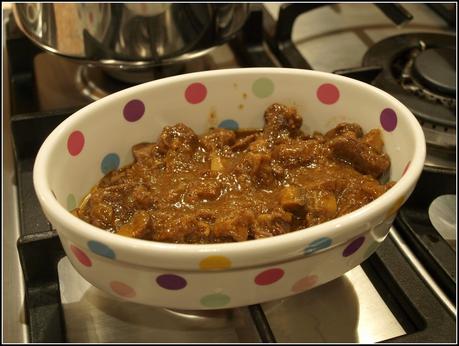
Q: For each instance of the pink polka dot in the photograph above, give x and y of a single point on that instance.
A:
(406, 167)
(122, 289)
(269, 276)
(388, 119)
(81, 256)
(75, 143)
(133, 110)
(305, 283)
(328, 93)
(195, 93)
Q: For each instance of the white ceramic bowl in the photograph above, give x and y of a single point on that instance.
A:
(99, 137)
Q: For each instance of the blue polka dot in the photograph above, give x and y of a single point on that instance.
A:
(109, 163)
(229, 124)
(317, 245)
(101, 249)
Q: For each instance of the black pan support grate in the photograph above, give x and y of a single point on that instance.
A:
(412, 302)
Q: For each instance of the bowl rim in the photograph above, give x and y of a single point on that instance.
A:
(255, 252)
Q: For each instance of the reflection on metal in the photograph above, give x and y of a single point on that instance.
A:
(130, 35)
(94, 316)
(421, 270)
(347, 309)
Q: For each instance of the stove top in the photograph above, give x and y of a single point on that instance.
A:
(405, 292)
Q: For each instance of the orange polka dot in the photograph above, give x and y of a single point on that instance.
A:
(215, 263)
(122, 289)
(305, 283)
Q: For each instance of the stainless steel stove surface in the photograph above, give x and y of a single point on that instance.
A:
(360, 306)
(348, 309)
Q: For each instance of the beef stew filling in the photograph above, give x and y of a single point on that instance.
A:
(232, 186)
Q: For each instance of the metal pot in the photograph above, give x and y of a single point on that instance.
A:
(130, 35)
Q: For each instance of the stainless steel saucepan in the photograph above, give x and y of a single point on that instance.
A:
(130, 35)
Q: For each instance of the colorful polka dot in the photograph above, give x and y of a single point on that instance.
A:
(263, 87)
(215, 263)
(109, 163)
(171, 282)
(229, 124)
(81, 256)
(269, 276)
(101, 249)
(216, 300)
(406, 167)
(122, 289)
(328, 93)
(317, 245)
(388, 119)
(195, 93)
(133, 110)
(75, 143)
(305, 283)
(353, 246)
(71, 202)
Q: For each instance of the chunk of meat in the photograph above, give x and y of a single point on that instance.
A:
(292, 199)
(296, 153)
(138, 227)
(260, 145)
(359, 193)
(101, 215)
(175, 229)
(275, 223)
(217, 139)
(321, 206)
(243, 142)
(203, 190)
(374, 140)
(144, 198)
(177, 138)
(114, 177)
(258, 167)
(281, 121)
(342, 128)
(360, 155)
(143, 151)
(235, 225)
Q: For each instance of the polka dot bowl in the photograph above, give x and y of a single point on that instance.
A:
(99, 137)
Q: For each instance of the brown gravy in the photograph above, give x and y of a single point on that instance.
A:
(229, 186)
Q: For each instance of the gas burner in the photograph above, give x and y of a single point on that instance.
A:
(94, 83)
(418, 69)
(430, 73)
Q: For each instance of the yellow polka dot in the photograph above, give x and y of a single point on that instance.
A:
(215, 263)
(395, 207)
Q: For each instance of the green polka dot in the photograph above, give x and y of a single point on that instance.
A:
(263, 87)
(216, 300)
(71, 202)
